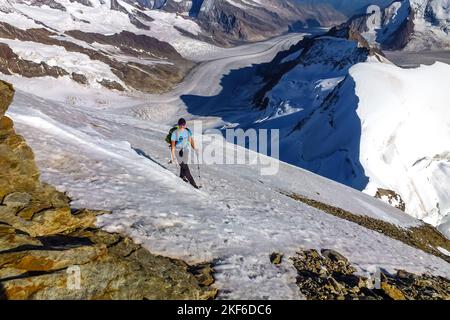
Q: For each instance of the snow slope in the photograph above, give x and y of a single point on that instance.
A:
(405, 136)
(111, 161)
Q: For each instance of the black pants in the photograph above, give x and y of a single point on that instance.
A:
(185, 173)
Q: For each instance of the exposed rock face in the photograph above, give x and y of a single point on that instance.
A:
(130, 43)
(11, 63)
(330, 276)
(50, 3)
(80, 78)
(135, 21)
(86, 3)
(111, 85)
(391, 197)
(276, 258)
(50, 251)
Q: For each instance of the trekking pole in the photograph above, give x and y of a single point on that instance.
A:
(198, 166)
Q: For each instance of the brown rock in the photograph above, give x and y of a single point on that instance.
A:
(391, 197)
(6, 96)
(80, 78)
(392, 291)
(276, 258)
(333, 255)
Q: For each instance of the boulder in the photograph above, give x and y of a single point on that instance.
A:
(276, 258)
(392, 292)
(391, 197)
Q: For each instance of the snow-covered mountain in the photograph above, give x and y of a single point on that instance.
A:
(349, 7)
(127, 45)
(95, 43)
(230, 20)
(412, 25)
(347, 113)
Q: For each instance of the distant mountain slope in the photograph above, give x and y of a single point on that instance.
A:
(229, 21)
(130, 45)
(411, 25)
(95, 43)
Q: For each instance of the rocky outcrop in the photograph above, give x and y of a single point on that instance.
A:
(113, 85)
(276, 258)
(115, 5)
(80, 78)
(129, 43)
(50, 3)
(330, 276)
(50, 251)
(11, 63)
(391, 197)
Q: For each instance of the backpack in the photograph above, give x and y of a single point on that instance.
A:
(169, 135)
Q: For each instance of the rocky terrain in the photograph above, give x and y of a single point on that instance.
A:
(45, 244)
(391, 197)
(328, 275)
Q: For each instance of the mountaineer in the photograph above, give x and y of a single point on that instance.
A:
(181, 141)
